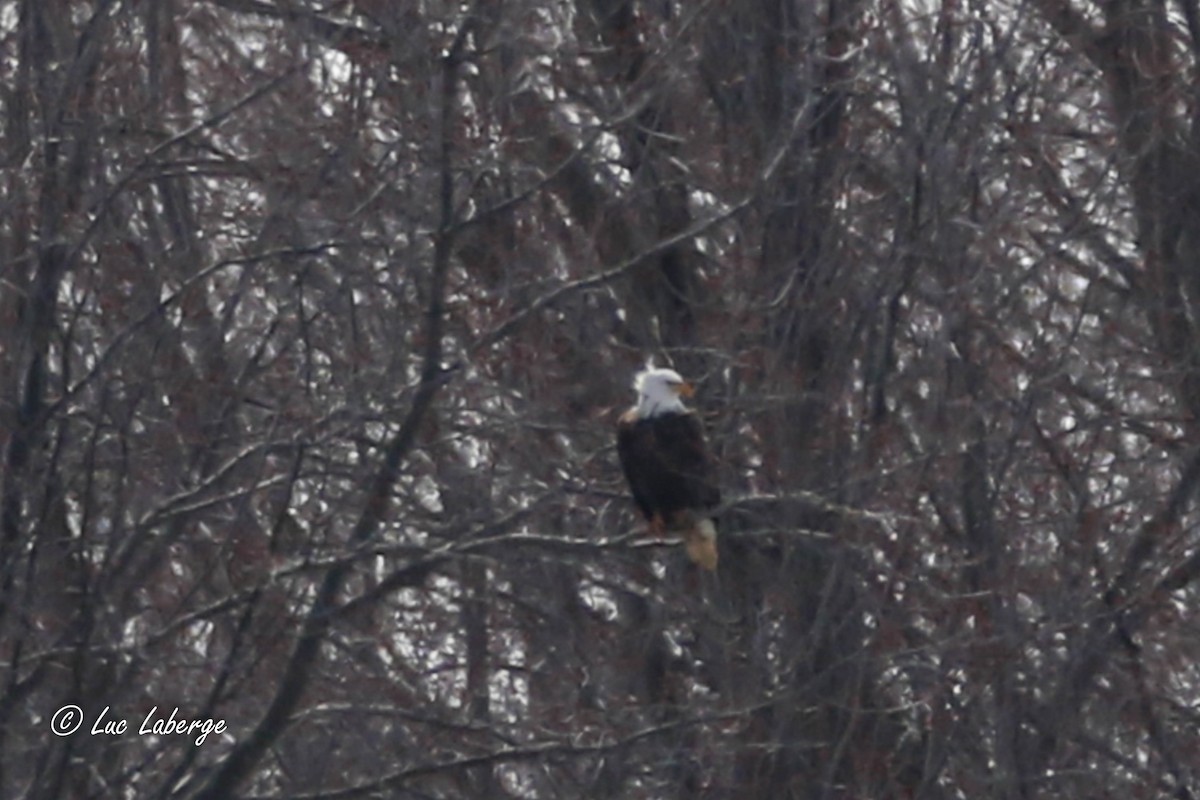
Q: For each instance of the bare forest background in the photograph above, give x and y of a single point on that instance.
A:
(316, 318)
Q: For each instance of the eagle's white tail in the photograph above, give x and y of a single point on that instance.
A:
(700, 540)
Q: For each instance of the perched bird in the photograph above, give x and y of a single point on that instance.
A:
(667, 463)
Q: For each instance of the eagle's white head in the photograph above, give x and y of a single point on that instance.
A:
(660, 391)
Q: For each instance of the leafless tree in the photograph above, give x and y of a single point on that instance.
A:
(317, 318)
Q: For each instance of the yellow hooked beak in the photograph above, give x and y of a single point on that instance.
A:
(685, 389)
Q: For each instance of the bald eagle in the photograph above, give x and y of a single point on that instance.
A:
(668, 466)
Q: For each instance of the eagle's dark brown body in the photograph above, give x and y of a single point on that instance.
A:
(670, 473)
